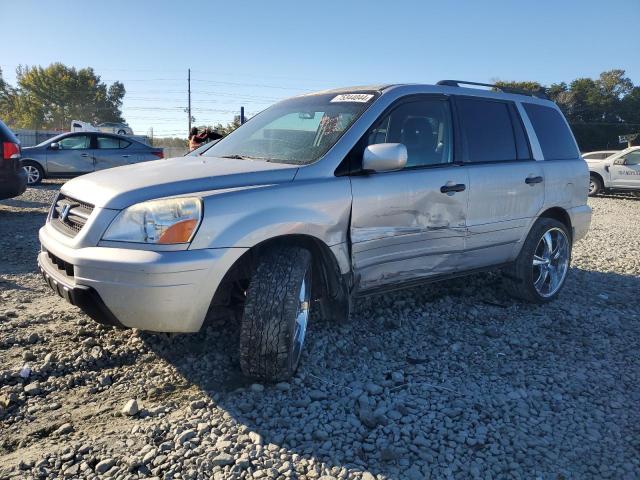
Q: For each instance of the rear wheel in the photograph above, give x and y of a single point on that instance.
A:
(276, 313)
(121, 132)
(540, 270)
(595, 186)
(34, 172)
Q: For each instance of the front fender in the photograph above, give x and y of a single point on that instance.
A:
(249, 216)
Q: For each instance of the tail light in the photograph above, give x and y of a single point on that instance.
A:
(10, 150)
(159, 154)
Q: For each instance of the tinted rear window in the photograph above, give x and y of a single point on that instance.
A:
(488, 131)
(552, 131)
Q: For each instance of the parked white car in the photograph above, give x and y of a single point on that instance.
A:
(599, 155)
(618, 172)
(114, 127)
(80, 126)
(105, 127)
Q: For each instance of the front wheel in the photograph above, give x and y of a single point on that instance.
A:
(595, 186)
(34, 172)
(540, 271)
(121, 132)
(276, 314)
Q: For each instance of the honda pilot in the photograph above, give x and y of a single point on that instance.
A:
(321, 199)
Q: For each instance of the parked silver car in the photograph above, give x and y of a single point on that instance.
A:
(318, 200)
(620, 172)
(72, 154)
(115, 127)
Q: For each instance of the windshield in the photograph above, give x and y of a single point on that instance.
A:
(52, 139)
(298, 131)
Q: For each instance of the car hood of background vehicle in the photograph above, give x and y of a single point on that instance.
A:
(121, 187)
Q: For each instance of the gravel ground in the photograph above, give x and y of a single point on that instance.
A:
(445, 381)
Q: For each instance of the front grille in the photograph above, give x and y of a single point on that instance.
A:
(61, 264)
(69, 215)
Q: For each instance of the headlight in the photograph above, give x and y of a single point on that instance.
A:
(173, 220)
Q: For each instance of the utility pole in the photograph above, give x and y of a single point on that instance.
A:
(189, 99)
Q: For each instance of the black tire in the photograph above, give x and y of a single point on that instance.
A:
(520, 277)
(32, 168)
(267, 347)
(122, 132)
(595, 185)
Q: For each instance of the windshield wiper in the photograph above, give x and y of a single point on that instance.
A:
(244, 157)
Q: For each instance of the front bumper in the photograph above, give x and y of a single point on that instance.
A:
(84, 297)
(156, 291)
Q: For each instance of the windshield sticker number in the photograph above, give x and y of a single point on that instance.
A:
(352, 97)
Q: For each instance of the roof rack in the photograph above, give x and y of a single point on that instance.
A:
(456, 83)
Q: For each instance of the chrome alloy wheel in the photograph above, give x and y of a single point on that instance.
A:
(302, 319)
(592, 187)
(33, 174)
(551, 262)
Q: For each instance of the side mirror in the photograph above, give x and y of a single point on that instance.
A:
(54, 146)
(619, 161)
(384, 157)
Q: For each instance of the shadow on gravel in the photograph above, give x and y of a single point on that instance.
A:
(445, 380)
(620, 195)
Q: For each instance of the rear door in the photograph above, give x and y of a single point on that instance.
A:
(405, 225)
(74, 155)
(506, 185)
(627, 174)
(113, 152)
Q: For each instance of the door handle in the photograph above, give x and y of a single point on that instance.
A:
(126, 156)
(458, 187)
(84, 155)
(533, 180)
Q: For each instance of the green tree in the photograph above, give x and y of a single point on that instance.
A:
(598, 109)
(51, 97)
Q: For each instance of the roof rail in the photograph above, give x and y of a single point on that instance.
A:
(456, 83)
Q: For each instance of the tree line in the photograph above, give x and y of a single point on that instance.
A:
(598, 110)
(50, 97)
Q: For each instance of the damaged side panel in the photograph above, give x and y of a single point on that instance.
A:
(403, 228)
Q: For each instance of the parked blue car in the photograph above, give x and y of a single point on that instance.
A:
(73, 154)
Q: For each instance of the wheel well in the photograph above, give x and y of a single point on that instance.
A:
(326, 271)
(598, 176)
(559, 214)
(31, 160)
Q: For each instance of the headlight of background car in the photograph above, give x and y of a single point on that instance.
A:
(168, 221)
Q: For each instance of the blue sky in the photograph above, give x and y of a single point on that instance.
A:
(253, 53)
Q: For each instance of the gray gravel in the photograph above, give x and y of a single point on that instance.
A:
(445, 381)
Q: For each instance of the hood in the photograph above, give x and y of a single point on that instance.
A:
(121, 187)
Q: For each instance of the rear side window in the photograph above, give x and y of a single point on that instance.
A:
(552, 132)
(488, 130)
(111, 142)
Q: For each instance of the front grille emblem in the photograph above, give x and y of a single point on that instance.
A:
(65, 212)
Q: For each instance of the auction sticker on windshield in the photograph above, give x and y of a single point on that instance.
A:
(352, 97)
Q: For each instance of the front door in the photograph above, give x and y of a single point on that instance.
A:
(627, 174)
(410, 224)
(506, 188)
(73, 156)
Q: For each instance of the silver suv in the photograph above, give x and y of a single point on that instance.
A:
(320, 199)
